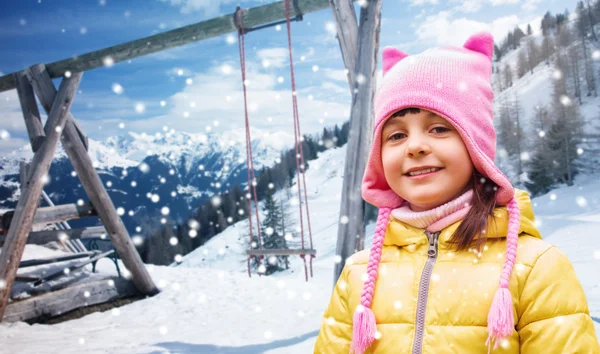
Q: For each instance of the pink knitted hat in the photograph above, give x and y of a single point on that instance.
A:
(454, 83)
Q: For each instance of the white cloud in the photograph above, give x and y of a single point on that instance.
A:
(275, 57)
(335, 74)
(422, 2)
(445, 30)
(216, 96)
(504, 2)
(531, 4)
(209, 7)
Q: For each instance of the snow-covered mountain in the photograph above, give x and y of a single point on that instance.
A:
(142, 173)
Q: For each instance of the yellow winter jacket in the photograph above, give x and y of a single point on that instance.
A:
(550, 309)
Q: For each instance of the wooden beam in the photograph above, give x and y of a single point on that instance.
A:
(46, 236)
(347, 33)
(33, 121)
(55, 214)
(62, 301)
(171, 39)
(29, 201)
(351, 235)
(282, 252)
(58, 213)
(81, 162)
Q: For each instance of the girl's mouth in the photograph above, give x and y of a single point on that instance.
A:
(423, 175)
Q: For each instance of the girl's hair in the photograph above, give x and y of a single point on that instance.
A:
(482, 206)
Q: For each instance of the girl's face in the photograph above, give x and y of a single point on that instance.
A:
(424, 140)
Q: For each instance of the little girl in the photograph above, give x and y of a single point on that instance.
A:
(457, 264)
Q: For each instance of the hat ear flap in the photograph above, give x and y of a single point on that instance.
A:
(390, 57)
(482, 42)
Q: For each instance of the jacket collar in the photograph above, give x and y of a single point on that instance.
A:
(399, 233)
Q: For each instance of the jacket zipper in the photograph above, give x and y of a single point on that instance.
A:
(432, 252)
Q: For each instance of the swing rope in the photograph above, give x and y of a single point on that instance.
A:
(297, 136)
(239, 23)
(249, 162)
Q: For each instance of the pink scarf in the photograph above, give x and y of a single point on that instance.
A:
(438, 218)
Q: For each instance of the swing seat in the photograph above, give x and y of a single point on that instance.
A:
(280, 252)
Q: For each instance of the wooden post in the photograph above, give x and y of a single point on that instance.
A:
(33, 121)
(12, 251)
(352, 205)
(347, 32)
(45, 90)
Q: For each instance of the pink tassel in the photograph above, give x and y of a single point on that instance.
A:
(501, 321)
(363, 330)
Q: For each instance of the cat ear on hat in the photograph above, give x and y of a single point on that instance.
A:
(390, 57)
(482, 42)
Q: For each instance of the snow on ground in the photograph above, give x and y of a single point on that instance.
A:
(209, 305)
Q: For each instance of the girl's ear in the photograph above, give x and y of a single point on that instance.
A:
(390, 57)
(482, 42)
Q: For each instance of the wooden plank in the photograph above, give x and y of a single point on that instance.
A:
(171, 39)
(68, 299)
(56, 259)
(71, 268)
(351, 235)
(54, 214)
(347, 32)
(45, 236)
(33, 121)
(12, 251)
(81, 162)
(26, 278)
(58, 213)
(282, 252)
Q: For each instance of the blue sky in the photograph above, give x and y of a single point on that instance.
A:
(197, 88)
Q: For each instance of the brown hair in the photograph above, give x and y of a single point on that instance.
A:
(482, 206)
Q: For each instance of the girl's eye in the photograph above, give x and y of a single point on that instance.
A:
(441, 130)
(396, 135)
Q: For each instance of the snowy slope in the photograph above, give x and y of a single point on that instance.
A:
(211, 306)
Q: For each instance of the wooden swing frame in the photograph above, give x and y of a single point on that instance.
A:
(358, 45)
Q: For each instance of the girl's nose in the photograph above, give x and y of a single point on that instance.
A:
(417, 146)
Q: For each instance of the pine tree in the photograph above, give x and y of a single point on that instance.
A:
(272, 234)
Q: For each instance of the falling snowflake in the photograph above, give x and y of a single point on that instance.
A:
(315, 68)
(581, 201)
(344, 219)
(542, 133)
(173, 241)
(163, 330)
(137, 240)
(557, 74)
(140, 107)
(164, 210)
(178, 259)
(155, 198)
(144, 167)
(193, 233)
(4, 135)
(108, 61)
(120, 211)
(230, 39)
(162, 104)
(565, 100)
(280, 79)
(118, 89)
(552, 196)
